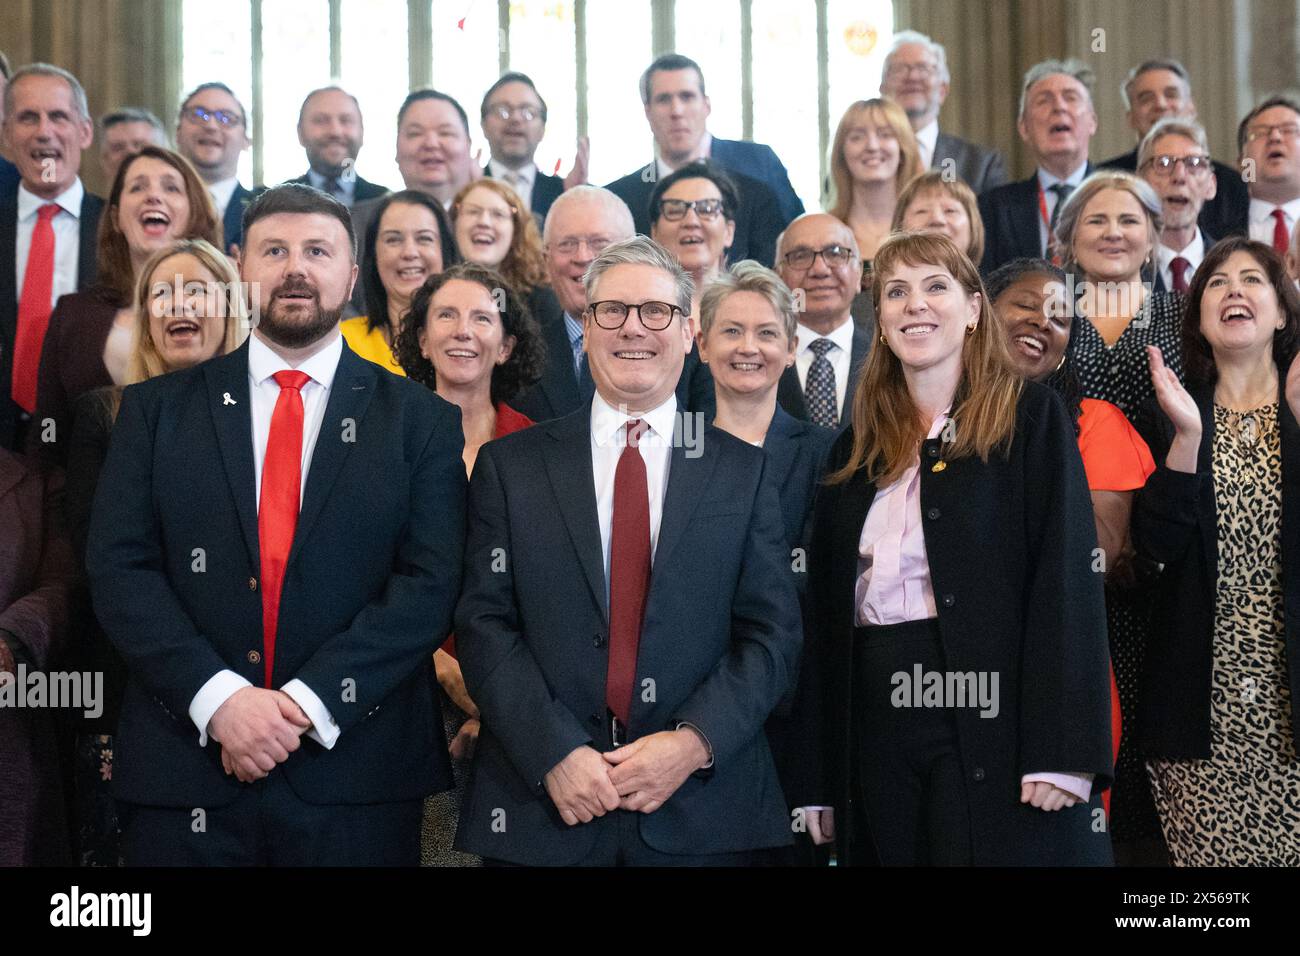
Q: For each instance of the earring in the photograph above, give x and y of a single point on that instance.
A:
(882, 336)
(970, 329)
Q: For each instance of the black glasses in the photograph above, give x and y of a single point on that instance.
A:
(199, 115)
(833, 256)
(655, 316)
(674, 209)
(1164, 165)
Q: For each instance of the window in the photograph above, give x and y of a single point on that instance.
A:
(218, 45)
(709, 33)
(785, 91)
(295, 60)
(542, 45)
(466, 41)
(376, 70)
(618, 49)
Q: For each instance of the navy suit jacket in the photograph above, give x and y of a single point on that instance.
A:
(759, 161)
(546, 189)
(1159, 286)
(232, 222)
(720, 641)
(87, 268)
(1227, 214)
(363, 190)
(759, 220)
(1011, 216)
(368, 593)
(978, 166)
(9, 176)
(789, 393)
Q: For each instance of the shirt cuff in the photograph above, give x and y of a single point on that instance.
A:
(219, 688)
(324, 729)
(1078, 784)
(707, 746)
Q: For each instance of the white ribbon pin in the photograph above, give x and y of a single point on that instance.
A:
(226, 399)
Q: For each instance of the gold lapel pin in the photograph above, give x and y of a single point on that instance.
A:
(939, 465)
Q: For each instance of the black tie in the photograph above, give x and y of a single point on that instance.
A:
(1062, 191)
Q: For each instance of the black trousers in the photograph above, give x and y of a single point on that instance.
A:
(910, 793)
(270, 825)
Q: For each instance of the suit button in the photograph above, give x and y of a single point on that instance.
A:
(598, 640)
(932, 514)
(932, 451)
(978, 775)
(949, 600)
(252, 584)
(254, 657)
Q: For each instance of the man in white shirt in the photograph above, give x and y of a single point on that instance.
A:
(1174, 158)
(279, 639)
(48, 225)
(641, 744)
(212, 132)
(817, 257)
(915, 75)
(1269, 142)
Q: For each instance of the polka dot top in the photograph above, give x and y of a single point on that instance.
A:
(1121, 374)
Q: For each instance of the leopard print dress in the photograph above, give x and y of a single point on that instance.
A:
(1241, 807)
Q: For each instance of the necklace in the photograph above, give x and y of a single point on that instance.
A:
(1244, 425)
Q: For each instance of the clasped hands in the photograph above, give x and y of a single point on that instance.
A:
(257, 729)
(640, 776)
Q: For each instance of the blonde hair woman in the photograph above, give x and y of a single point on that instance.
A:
(931, 203)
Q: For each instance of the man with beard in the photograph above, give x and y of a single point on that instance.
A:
(331, 131)
(276, 551)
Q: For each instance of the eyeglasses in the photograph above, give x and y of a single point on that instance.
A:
(675, 209)
(594, 244)
(834, 256)
(474, 212)
(1288, 131)
(655, 316)
(197, 114)
(899, 70)
(1164, 165)
(525, 113)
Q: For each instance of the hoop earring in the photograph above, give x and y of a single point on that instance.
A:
(970, 329)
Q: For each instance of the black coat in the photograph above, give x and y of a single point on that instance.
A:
(790, 393)
(1175, 522)
(1010, 545)
(546, 189)
(1011, 215)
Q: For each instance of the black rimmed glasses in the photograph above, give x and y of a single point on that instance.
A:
(655, 316)
(675, 209)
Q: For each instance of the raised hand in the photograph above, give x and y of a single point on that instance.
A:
(1173, 398)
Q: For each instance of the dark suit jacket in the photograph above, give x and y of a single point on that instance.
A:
(759, 220)
(363, 190)
(91, 207)
(72, 363)
(1009, 546)
(789, 392)
(1159, 285)
(9, 176)
(1175, 522)
(232, 223)
(720, 640)
(759, 161)
(1011, 217)
(368, 593)
(1227, 214)
(978, 166)
(546, 189)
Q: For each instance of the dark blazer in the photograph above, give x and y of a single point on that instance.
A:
(363, 190)
(1159, 286)
(789, 392)
(721, 639)
(559, 391)
(1010, 547)
(36, 575)
(759, 220)
(1011, 217)
(1175, 522)
(9, 176)
(546, 189)
(1227, 214)
(72, 363)
(759, 161)
(87, 268)
(232, 222)
(368, 591)
(978, 166)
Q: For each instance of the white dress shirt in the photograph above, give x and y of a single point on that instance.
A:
(221, 193)
(1045, 182)
(263, 393)
(1262, 221)
(608, 440)
(526, 174)
(67, 237)
(1193, 253)
(840, 357)
(706, 147)
(927, 137)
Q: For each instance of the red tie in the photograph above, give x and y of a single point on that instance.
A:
(34, 309)
(1179, 268)
(629, 572)
(277, 515)
(1281, 238)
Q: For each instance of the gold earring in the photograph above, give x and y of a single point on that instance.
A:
(970, 329)
(882, 336)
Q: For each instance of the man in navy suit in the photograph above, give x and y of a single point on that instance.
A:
(628, 620)
(1174, 159)
(513, 117)
(672, 90)
(275, 549)
(47, 125)
(8, 171)
(915, 75)
(331, 131)
(212, 132)
(1057, 123)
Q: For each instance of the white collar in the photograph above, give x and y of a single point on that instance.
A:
(223, 190)
(1261, 209)
(69, 200)
(263, 362)
(1194, 252)
(526, 172)
(1048, 180)
(928, 135)
(706, 147)
(841, 335)
(606, 421)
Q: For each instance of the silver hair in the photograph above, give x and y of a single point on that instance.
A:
(912, 36)
(1100, 181)
(1147, 66)
(643, 251)
(620, 217)
(1041, 71)
(131, 114)
(749, 276)
(1172, 126)
(48, 69)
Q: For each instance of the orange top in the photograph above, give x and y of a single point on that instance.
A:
(1114, 455)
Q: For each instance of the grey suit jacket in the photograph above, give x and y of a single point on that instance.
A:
(979, 167)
